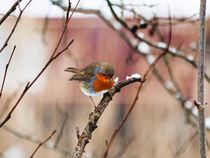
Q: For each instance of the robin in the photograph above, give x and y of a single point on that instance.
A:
(95, 79)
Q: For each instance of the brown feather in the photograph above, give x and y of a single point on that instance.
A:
(87, 73)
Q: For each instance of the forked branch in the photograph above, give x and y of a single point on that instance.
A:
(53, 56)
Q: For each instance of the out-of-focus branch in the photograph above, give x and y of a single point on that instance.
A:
(48, 145)
(139, 89)
(12, 9)
(186, 144)
(95, 116)
(14, 27)
(60, 134)
(50, 60)
(172, 51)
(5, 72)
(9, 99)
(178, 96)
(42, 143)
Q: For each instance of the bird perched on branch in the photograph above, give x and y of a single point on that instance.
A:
(95, 79)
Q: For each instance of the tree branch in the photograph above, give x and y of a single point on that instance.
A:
(12, 9)
(201, 72)
(14, 27)
(50, 60)
(42, 143)
(48, 145)
(5, 72)
(95, 116)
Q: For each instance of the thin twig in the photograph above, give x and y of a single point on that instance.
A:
(42, 144)
(5, 72)
(13, 108)
(95, 116)
(12, 9)
(186, 144)
(68, 10)
(14, 27)
(33, 139)
(9, 100)
(50, 60)
(138, 91)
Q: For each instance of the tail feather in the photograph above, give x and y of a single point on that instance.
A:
(72, 69)
(77, 72)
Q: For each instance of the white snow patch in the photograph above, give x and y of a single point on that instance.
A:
(193, 45)
(143, 48)
(168, 84)
(161, 45)
(116, 80)
(117, 25)
(137, 76)
(14, 152)
(188, 104)
(141, 22)
(207, 120)
(140, 34)
(190, 57)
(173, 50)
(150, 59)
(50, 145)
(195, 111)
(178, 95)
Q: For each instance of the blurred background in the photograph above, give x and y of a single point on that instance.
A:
(163, 122)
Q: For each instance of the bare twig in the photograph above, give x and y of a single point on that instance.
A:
(13, 108)
(50, 60)
(95, 116)
(68, 10)
(48, 145)
(42, 143)
(5, 72)
(201, 72)
(138, 91)
(60, 134)
(9, 100)
(14, 27)
(12, 9)
(186, 144)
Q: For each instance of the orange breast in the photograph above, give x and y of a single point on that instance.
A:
(102, 83)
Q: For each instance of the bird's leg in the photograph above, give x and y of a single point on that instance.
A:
(93, 103)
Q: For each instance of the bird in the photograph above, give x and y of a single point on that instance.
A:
(94, 79)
